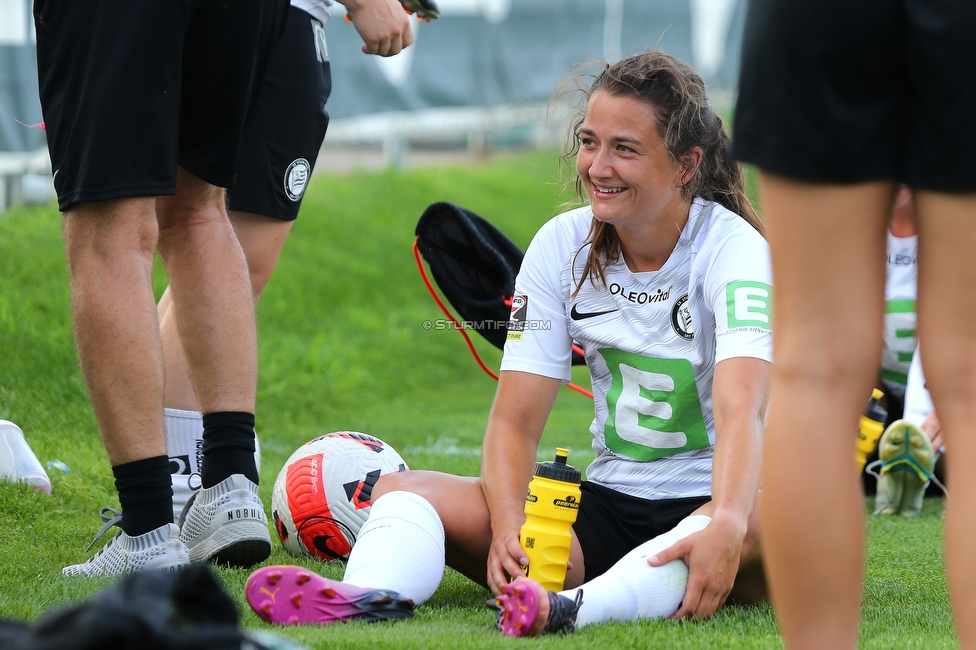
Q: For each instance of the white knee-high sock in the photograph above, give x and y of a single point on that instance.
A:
(632, 588)
(184, 444)
(184, 439)
(400, 547)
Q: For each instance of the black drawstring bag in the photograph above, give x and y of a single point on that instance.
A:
(475, 265)
(147, 610)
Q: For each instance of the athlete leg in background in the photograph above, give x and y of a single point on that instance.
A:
(110, 247)
(946, 313)
(827, 244)
(215, 318)
(214, 312)
(261, 239)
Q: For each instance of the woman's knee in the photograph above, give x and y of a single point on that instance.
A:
(436, 487)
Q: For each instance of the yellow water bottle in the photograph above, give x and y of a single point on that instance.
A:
(870, 429)
(550, 510)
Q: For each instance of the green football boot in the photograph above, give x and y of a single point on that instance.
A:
(907, 461)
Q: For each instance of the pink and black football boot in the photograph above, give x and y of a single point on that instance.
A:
(292, 595)
(527, 609)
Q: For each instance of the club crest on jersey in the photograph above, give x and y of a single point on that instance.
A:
(296, 179)
(516, 322)
(681, 318)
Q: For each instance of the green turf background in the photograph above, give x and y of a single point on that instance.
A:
(342, 346)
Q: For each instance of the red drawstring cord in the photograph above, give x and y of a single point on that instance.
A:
(457, 325)
(460, 328)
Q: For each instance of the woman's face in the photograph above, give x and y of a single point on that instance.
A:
(623, 164)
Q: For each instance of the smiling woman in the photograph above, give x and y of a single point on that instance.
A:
(666, 288)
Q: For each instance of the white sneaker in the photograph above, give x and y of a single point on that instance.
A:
(158, 549)
(226, 524)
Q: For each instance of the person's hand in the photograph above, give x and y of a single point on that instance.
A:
(933, 429)
(505, 559)
(382, 24)
(712, 556)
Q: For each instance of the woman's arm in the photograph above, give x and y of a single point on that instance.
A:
(518, 416)
(739, 397)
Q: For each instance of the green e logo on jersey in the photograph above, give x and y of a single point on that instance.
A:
(750, 304)
(653, 406)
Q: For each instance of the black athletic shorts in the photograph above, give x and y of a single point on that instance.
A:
(131, 89)
(610, 524)
(834, 91)
(283, 137)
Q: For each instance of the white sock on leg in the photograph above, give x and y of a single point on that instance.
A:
(632, 588)
(400, 547)
(184, 445)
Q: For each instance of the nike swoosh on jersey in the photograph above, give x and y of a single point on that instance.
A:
(581, 315)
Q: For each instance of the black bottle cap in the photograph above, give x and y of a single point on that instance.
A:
(875, 411)
(558, 470)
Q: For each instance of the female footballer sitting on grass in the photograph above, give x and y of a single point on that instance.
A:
(664, 280)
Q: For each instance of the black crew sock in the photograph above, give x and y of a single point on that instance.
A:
(228, 447)
(146, 494)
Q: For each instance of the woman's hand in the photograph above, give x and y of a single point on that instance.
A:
(505, 559)
(712, 555)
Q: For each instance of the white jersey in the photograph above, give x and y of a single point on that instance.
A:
(900, 338)
(652, 340)
(317, 9)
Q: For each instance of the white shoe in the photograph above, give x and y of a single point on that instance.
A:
(226, 524)
(158, 549)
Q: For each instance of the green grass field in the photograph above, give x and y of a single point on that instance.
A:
(342, 346)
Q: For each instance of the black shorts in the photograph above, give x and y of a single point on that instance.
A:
(129, 90)
(610, 524)
(833, 91)
(283, 137)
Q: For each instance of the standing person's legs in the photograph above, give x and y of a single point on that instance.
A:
(109, 159)
(224, 59)
(211, 295)
(827, 245)
(261, 239)
(214, 312)
(110, 247)
(279, 147)
(946, 314)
